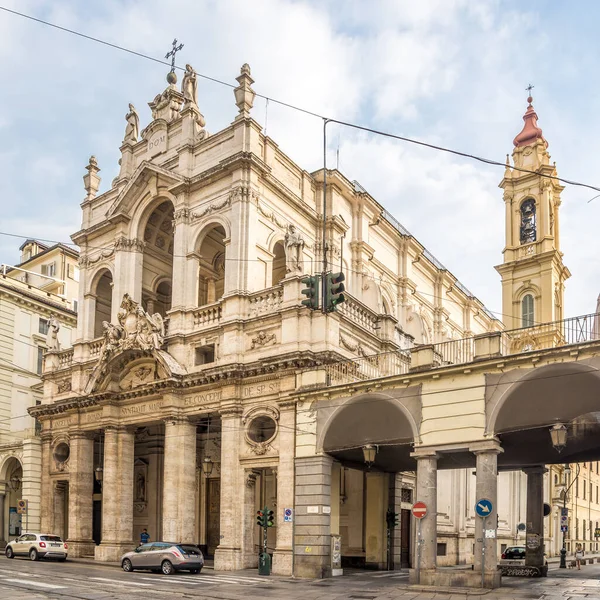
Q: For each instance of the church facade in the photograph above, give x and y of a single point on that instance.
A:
(185, 411)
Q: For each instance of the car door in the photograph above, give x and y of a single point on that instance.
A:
(139, 559)
(156, 554)
(18, 544)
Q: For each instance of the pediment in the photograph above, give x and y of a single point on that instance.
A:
(147, 180)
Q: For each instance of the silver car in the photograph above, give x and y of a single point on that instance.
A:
(164, 556)
(38, 545)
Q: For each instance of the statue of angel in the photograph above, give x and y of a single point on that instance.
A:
(132, 129)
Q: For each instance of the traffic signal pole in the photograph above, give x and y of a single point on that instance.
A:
(324, 240)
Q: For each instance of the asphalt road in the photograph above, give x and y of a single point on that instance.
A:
(21, 579)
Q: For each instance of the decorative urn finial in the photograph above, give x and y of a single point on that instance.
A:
(244, 94)
(91, 181)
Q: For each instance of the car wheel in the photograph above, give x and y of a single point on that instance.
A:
(194, 571)
(33, 554)
(127, 566)
(167, 567)
(9, 552)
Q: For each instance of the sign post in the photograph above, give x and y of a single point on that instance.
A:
(22, 510)
(419, 511)
(483, 509)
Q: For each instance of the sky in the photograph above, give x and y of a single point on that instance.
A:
(448, 72)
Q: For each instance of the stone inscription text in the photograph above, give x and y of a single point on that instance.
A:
(260, 389)
(203, 398)
(141, 409)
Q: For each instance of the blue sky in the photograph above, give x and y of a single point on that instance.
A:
(451, 72)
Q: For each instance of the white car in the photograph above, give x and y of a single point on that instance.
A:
(38, 545)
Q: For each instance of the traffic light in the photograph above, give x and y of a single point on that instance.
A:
(334, 289)
(311, 291)
(391, 518)
(260, 518)
(270, 518)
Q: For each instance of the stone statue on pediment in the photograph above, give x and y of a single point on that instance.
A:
(132, 129)
(294, 246)
(52, 341)
(189, 86)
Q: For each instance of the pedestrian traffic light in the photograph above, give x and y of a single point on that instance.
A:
(334, 289)
(270, 518)
(311, 291)
(260, 518)
(391, 518)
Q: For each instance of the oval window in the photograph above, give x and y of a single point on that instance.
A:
(262, 429)
(62, 452)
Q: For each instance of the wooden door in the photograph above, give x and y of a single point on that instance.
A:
(405, 554)
(213, 515)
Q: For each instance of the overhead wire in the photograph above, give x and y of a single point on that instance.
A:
(301, 109)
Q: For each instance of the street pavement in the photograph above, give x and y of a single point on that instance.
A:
(21, 579)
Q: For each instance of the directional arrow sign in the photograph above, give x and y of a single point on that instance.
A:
(484, 507)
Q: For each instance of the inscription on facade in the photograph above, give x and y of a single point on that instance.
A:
(62, 423)
(203, 398)
(140, 409)
(92, 417)
(157, 143)
(260, 389)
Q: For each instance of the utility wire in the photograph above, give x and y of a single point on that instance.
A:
(303, 110)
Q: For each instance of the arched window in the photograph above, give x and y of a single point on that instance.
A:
(278, 263)
(528, 233)
(527, 311)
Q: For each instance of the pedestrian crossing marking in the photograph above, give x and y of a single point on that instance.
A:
(48, 586)
(118, 581)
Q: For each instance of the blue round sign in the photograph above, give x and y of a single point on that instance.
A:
(484, 507)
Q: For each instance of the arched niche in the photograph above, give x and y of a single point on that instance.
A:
(211, 271)
(102, 292)
(278, 270)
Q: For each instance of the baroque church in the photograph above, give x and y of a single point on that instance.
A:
(185, 411)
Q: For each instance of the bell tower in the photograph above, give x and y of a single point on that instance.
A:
(533, 273)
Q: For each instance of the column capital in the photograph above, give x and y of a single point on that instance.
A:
(231, 411)
(177, 420)
(79, 434)
(420, 453)
(536, 470)
(491, 446)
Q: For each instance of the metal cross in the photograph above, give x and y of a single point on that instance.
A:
(172, 54)
(528, 88)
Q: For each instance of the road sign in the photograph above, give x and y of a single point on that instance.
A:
(564, 528)
(288, 515)
(564, 512)
(564, 520)
(484, 507)
(419, 510)
(22, 507)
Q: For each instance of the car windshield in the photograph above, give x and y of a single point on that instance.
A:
(50, 538)
(188, 549)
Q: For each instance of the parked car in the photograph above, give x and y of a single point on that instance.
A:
(164, 556)
(38, 545)
(515, 556)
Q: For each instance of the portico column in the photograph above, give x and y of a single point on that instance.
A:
(228, 555)
(47, 502)
(534, 547)
(486, 487)
(58, 504)
(312, 536)
(117, 494)
(2, 533)
(179, 487)
(282, 558)
(426, 492)
(81, 487)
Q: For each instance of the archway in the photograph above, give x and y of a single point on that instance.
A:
(103, 295)
(211, 276)
(278, 272)
(11, 491)
(158, 259)
(362, 493)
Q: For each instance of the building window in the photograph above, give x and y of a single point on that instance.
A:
(75, 306)
(49, 269)
(441, 549)
(40, 360)
(43, 326)
(406, 495)
(205, 355)
(596, 496)
(73, 272)
(527, 311)
(584, 531)
(503, 547)
(577, 488)
(528, 234)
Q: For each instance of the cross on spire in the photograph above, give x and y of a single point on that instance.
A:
(529, 88)
(172, 54)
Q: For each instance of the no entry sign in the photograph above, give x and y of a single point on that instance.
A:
(419, 510)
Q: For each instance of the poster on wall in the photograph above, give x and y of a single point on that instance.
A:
(14, 521)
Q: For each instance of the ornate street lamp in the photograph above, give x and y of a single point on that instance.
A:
(369, 452)
(207, 466)
(558, 435)
(98, 474)
(15, 482)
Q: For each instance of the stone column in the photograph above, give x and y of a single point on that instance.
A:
(534, 554)
(81, 487)
(282, 557)
(117, 494)
(179, 481)
(2, 532)
(486, 487)
(427, 544)
(58, 504)
(47, 503)
(312, 536)
(229, 555)
(31, 484)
